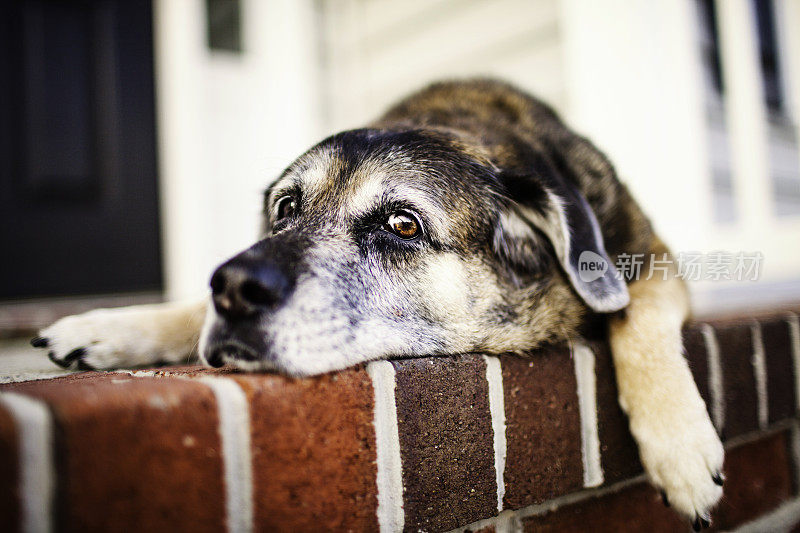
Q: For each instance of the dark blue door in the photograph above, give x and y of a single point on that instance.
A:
(78, 184)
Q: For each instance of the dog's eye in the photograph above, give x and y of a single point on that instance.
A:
(403, 224)
(286, 207)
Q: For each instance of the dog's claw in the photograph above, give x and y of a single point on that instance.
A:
(718, 478)
(82, 365)
(39, 342)
(700, 523)
(59, 362)
(664, 498)
(77, 353)
(70, 358)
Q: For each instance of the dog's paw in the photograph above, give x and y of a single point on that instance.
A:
(684, 461)
(106, 339)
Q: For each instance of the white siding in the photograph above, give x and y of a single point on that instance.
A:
(626, 73)
(377, 51)
(227, 125)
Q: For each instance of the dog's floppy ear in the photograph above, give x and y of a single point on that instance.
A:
(558, 210)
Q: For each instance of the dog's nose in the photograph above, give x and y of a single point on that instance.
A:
(246, 286)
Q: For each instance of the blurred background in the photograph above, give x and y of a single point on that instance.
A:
(136, 137)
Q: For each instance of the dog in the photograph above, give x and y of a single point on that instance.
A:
(458, 222)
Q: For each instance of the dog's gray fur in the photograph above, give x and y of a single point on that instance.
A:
(507, 199)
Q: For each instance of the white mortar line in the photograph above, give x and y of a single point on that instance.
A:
(587, 403)
(505, 522)
(714, 377)
(794, 332)
(508, 522)
(759, 363)
(234, 431)
(391, 517)
(497, 410)
(37, 476)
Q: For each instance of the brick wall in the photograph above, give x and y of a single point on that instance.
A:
(471, 442)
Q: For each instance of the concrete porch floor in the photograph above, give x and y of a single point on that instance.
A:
(21, 362)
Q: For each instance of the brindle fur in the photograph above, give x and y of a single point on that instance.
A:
(499, 185)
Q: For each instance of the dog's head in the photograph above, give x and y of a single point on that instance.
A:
(382, 244)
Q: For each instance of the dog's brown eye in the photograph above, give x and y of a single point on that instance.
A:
(286, 207)
(403, 224)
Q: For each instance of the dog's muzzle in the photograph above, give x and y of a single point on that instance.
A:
(245, 290)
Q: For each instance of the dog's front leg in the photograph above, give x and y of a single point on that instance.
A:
(678, 446)
(125, 337)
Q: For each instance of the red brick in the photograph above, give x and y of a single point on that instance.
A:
(694, 345)
(618, 452)
(313, 446)
(136, 454)
(9, 472)
(780, 368)
(446, 442)
(543, 432)
(758, 479)
(192, 371)
(740, 399)
(635, 508)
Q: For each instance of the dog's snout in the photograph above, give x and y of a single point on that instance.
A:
(246, 286)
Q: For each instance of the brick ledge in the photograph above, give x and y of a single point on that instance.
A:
(315, 449)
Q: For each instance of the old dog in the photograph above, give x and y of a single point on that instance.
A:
(460, 221)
